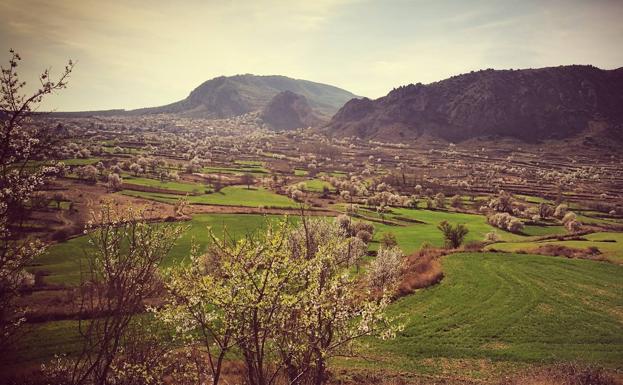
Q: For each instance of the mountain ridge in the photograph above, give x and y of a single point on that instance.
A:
(228, 96)
(529, 104)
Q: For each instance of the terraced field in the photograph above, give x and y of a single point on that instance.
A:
(194, 188)
(609, 244)
(248, 168)
(62, 261)
(511, 308)
(412, 235)
(317, 185)
(228, 196)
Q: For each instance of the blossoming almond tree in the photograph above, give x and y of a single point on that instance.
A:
(20, 143)
(285, 301)
(121, 272)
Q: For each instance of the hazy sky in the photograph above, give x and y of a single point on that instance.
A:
(134, 54)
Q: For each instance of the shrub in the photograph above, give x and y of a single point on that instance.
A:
(505, 221)
(365, 226)
(561, 210)
(421, 269)
(473, 246)
(364, 236)
(502, 203)
(388, 240)
(545, 210)
(515, 225)
(440, 200)
(492, 237)
(344, 222)
(569, 216)
(573, 226)
(456, 202)
(453, 235)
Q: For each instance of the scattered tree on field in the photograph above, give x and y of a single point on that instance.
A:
(385, 269)
(453, 235)
(114, 182)
(388, 240)
(247, 179)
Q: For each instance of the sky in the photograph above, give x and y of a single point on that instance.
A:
(132, 54)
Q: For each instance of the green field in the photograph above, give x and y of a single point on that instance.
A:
(167, 185)
(79, 162)
(511, 308)
(62, 260)
(411, 236)
(228, 196)
(335, 174)
(253, 163)
(251, 169)
(317, 185)
(610, 245)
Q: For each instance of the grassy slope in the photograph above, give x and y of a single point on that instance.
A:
(413, 235)
(603, 241)
(517, 308)
(508, 310)
(228, 196)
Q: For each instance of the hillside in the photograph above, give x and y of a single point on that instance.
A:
(530, 105)
(288, 110)
(224, 97)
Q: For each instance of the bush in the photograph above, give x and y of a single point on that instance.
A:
(388, 240)
(573, 226)
(421, 269)
(453, 235)
(505, 221)
(492, 237)
(561, 210)
(364, 236)
(515, 225)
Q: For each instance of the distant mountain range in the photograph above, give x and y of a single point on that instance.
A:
(228, 96)
(531, 105)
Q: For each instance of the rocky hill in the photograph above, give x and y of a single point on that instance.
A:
(224, 97)
(531, 105)
(288, 110)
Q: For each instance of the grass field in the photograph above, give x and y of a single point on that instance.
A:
(168, 185)
(80, 162)
(610, 245)
(63, 260)
(317, 185)
(511, 308)
(491, 310)
(228, 196)
(236, 170)
(411, 236)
